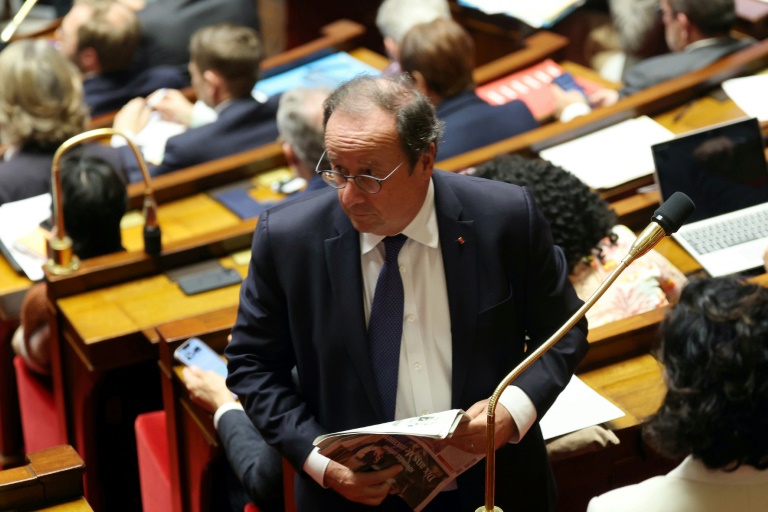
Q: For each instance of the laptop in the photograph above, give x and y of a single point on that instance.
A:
(722, 168)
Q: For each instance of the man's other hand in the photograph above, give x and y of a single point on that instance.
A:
(367, 488)
(470, 436)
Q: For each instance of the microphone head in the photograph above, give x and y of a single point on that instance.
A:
(673, 212)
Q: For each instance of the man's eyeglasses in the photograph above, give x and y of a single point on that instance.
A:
(366, 183)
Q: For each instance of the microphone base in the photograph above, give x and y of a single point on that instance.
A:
(483, 509)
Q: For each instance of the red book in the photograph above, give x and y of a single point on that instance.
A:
(532, 87)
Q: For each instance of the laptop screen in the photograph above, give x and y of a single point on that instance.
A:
(722, 168)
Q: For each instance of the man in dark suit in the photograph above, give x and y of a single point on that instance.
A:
(697, 34)
(101, 39)
(224, 66)
(440, 56)
(481, 284)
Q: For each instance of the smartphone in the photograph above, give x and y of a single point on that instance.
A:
(211, 280)
(194, 352)
(567, 83)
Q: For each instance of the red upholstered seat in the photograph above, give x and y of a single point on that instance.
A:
(39, 423)
(251, 508)
(154, 460)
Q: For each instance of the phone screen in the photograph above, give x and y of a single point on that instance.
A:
(194, 352)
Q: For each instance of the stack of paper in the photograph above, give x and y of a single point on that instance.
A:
(613, 155)
(749, 94)
(538, 14)
(17, 220)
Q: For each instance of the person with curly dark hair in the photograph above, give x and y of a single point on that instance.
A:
(714, 346)
(584, 226)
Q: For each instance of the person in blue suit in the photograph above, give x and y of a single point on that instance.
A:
(482, 285)
(224, 66)
(440, 56)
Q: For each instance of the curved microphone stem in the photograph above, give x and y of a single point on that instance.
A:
(644, 243)
(62, 259)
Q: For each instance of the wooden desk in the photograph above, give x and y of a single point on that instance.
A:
(105, 371)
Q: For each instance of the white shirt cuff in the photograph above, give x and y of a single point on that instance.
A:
(229, 406)
(573, 111)
(521, 408)
(202, 114)
(315, 466)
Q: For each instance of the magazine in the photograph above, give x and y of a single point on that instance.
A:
(418, 444)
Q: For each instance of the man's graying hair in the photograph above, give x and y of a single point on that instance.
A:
(415, 117)
(299, 121)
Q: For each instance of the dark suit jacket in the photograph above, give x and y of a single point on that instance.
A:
(167, 25)
(302, 305)
(257, 465)
(671, 65)
(28, 172)
(243, 124)
(471, 123)
(109, 92)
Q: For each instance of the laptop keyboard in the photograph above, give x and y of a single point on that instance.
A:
(728, 232)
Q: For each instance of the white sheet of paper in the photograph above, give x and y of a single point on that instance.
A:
(577, 407)
(749, 94)
(16, 220)
(613, 155)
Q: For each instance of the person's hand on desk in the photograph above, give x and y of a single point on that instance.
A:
(368, 488)
(172, 105)
(572, 104)
(206, 388)
(470, 436)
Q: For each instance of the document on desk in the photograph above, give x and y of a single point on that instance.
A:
(538, 14)
(17, 220)
(613, 155)
(577, 407)
(749, 94)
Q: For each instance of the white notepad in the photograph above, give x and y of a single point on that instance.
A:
(611, 156)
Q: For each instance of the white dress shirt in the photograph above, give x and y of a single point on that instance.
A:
(424, 375)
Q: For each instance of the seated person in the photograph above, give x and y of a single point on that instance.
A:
(257, 466)
(94, 201)
(224, 67)
(440, 58)
(395, 18)
(715, 413)
(41, 106)
(697, 34)
(300, 123)
(101, 37)
(585, 228)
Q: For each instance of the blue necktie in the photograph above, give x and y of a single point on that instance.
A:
(385, 326)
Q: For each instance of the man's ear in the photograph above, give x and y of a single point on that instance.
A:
(684, 24)
(420, 82)
(427, 159)
(392, 48)
(215, 85)
(290, 154)
(88, 60)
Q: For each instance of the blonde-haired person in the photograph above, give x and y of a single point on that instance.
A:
(41, 106)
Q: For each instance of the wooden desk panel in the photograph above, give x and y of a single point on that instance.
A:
(106, 314)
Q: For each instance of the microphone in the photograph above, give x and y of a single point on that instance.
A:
(13, 25)
(666, 220)
(62, 260)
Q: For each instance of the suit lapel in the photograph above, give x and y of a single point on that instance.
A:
(459, 261)
(342, 257)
